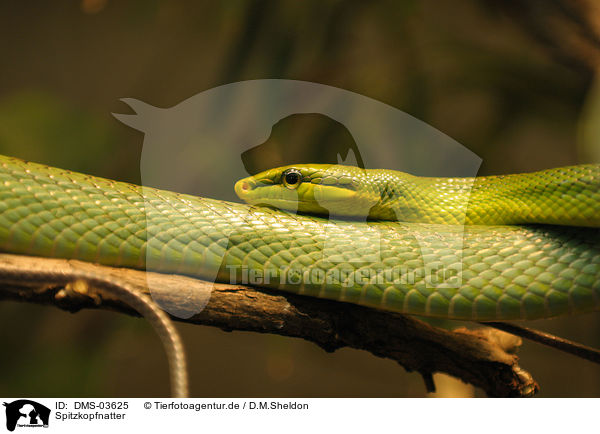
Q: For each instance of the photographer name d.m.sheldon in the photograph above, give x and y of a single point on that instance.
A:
(275, 405)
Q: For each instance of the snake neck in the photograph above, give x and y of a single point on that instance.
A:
(563, 196)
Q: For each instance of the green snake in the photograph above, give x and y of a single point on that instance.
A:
(496, 248)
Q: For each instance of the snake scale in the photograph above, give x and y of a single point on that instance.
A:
(472, 271)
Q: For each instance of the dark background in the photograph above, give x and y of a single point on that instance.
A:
(512, 81)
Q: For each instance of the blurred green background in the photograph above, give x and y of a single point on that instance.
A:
(480, 71)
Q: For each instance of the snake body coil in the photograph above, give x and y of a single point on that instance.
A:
(466, 272)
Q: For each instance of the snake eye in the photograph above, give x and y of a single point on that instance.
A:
(292, 178)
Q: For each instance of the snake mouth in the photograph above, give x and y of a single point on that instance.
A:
(308, 198)
(274, 202)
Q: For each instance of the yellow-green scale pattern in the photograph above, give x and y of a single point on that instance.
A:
(464, 272)
(564, 196)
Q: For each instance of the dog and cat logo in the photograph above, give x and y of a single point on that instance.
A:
(25, 413)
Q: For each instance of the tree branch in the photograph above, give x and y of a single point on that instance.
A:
(482, 357)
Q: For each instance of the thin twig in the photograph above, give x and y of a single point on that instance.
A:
(577, 349)
(91, 285)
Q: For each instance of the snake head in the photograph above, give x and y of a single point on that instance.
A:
(311, 188)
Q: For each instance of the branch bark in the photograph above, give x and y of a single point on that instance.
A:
(484, 357)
